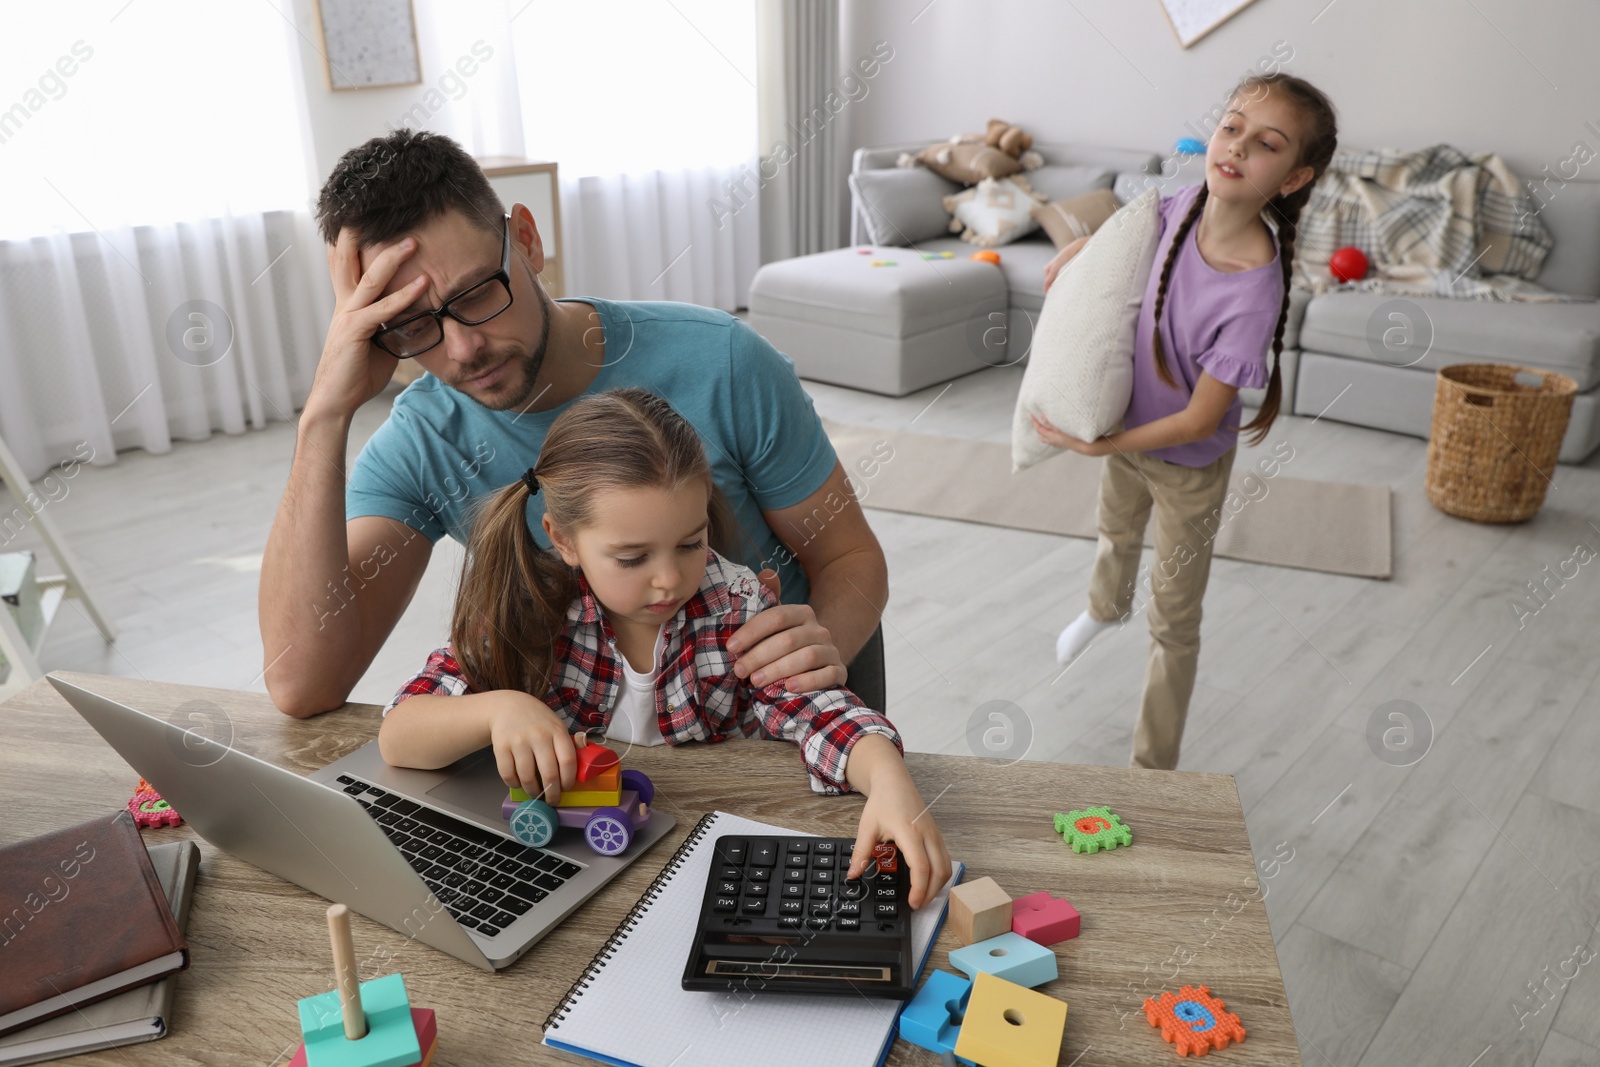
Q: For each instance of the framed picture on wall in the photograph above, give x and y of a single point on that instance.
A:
(1193, 19)
(368, 43)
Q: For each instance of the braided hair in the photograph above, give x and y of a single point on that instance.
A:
(1282, 213)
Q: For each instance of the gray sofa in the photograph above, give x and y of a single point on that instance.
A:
(1334, 360)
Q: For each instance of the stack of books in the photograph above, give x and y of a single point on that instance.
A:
(91, 931)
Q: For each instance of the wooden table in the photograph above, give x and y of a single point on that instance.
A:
(1181, 906)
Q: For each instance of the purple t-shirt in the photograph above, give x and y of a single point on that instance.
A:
(1215, 321)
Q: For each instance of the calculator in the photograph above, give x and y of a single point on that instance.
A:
(779, 916)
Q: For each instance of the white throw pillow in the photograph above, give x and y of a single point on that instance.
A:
(1080, 367)
(994, 212)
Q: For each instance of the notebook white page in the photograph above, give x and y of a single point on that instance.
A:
(634, 1011)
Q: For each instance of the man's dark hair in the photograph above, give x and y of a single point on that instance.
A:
(394, 184)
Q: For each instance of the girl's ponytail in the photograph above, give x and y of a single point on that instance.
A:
(512, 600)
(1163, 371)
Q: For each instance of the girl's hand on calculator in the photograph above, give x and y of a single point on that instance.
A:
(532, 748)
(896, 812)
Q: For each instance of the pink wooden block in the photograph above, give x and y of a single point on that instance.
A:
(1044, 919)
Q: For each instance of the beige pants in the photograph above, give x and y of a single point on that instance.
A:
(1186, 501)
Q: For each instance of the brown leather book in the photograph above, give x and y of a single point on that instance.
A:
(82, 918)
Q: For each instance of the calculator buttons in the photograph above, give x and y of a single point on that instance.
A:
(756, 890)
(792, 891)
(853, 889)
(849, 924)
(733, 852)
(763, 854)
(790, 907)
(822, 863)
(822, 877)
(887, 911)
(758, 874)
(730, 886)
(885, 892)
(821, 892)
(824, 847)
(795, 860)
(788, 922)
(799, 845)
(850, 909)
(887, 857)
(758, 906)
(724, 904)
(794, 876)
(817, 923)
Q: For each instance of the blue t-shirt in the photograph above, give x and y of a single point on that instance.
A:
(440, 451)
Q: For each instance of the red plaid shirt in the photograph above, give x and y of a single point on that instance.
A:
(698, 697)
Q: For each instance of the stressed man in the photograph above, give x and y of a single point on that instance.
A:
(427, 265)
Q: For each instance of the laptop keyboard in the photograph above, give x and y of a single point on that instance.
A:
(485, 880)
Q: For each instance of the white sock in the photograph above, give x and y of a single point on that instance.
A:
(1076, 637)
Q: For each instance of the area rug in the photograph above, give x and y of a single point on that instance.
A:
(1278, 520)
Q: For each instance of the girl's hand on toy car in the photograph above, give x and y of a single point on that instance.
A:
(532, 748)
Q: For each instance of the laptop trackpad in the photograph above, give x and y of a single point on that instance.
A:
(476, 785)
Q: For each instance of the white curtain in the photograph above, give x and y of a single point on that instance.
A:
(649, 108)
(159, 278)
(801, 93)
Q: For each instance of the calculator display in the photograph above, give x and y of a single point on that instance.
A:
(780, 916)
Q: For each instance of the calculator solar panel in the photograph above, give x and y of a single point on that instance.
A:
(779, 915)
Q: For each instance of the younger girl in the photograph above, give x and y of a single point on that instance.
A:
(1221, 298)
(623, 628)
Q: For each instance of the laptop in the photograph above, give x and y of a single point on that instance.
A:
(425, 853)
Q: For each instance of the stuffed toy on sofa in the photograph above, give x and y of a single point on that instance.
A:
(968, 158)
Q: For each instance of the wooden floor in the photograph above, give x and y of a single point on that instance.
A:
(1439, 913)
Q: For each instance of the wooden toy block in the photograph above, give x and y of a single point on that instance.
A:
(519, 794)
(590, 798)
(979, 910)
(1193, 1020)
(390, 1040)
(1093, 829)
(594, 759)
(1009, 956)
(933, 1018)
(1009, 1026)
(427, 1036)
(1043, 918)
(606, 780)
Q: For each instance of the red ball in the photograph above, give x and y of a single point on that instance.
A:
(1348, 264)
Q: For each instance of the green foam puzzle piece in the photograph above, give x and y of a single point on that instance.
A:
(1093, 829)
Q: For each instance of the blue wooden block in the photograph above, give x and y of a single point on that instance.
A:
(391, 1039)
(933, 1018)
(1010, 956)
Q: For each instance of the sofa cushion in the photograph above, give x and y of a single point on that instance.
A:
(844, 289)
(1080, 366)
(1572, 214)
(1064, 221)
(1063, 183)
(1021, 265)
(993, 212)
(1559, 337)
(903, 205)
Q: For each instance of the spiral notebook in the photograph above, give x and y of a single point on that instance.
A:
(628, 1007)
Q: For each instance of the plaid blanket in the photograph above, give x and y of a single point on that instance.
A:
(1435, 222)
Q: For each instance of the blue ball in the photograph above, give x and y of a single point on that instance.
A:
(1189, 146)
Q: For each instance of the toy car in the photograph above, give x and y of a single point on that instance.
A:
(608, 803)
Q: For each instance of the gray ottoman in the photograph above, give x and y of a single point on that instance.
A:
(885, 329)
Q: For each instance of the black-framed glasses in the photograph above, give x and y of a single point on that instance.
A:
(476, 306)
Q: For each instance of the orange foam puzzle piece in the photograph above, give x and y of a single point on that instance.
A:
(1193, 1020)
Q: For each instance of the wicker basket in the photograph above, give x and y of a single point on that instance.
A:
(1495, 440)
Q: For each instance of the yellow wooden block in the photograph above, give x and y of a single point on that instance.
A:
(1009, 1026)
(591, 798)
(518, 795)
(979, 910)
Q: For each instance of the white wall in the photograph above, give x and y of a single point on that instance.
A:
(1402, 73)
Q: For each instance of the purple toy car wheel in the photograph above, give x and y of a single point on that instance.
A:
(640, 783)
(608, 831)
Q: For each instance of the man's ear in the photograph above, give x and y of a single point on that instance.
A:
(569, 554)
